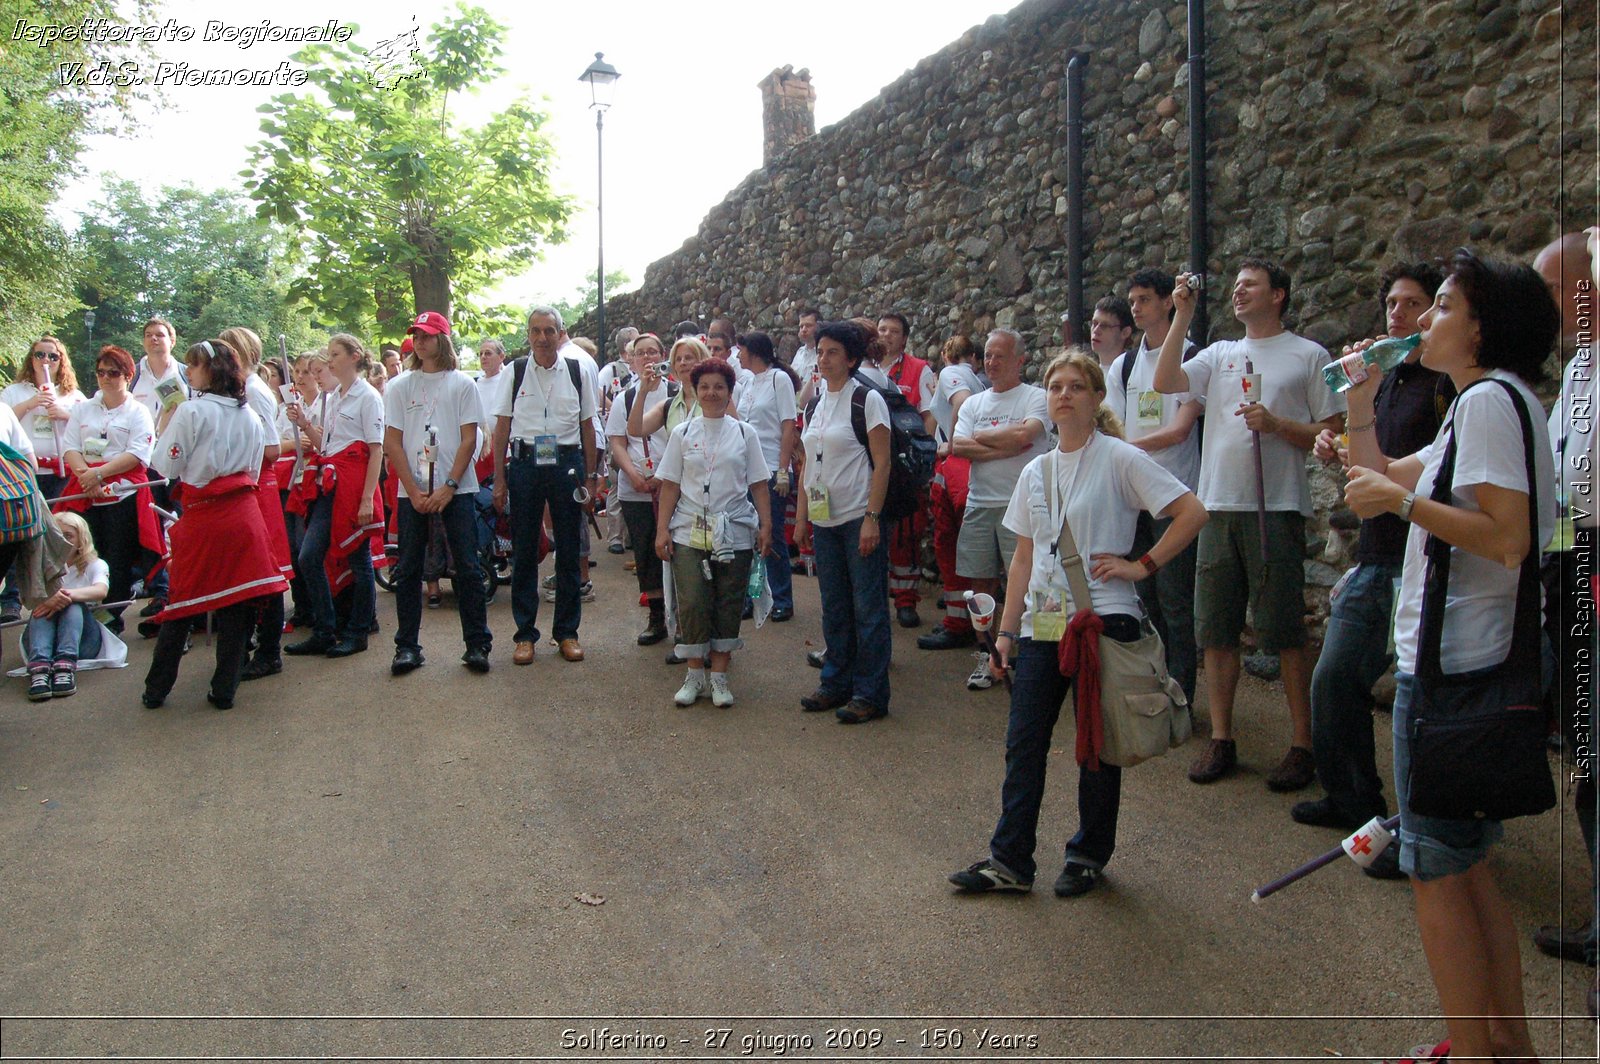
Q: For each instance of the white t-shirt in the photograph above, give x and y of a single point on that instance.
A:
(446, 400)
(1291, 387)
(1573, 437)
(547, 403)
(96, 572)
(143, 387)
(1144, 410)
(258, 396)
(41, 429)
(92, 428)
(874, 374)
(1105, 484)
(714, 461)
(953, 380)
(210, 436)
(644, 452)
(764, 402)
(12, 432)
(992, 481)
(804, 364)
(1481, 599)
(488, 389)
(355, 416)
(835, 459)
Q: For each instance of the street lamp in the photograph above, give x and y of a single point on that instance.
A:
(88, 325)
(602, 78)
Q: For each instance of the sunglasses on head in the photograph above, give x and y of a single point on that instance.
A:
(112, 373)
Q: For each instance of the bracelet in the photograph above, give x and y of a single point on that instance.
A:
(1149, 564)
(875, 514)
(1014, 637)
(1362, 428)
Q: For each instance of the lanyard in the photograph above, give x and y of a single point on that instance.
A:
(1055, 499)
(549, 389)
(711, 456)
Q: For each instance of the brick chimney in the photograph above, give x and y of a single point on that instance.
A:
(787, 99)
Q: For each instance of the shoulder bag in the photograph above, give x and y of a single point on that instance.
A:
(1478, 738)
(1144, 710)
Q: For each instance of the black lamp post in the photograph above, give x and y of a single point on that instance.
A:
(602, 79)
(88, 325)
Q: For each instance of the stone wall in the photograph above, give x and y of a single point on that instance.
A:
(1342, 135)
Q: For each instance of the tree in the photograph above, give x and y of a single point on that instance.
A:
(52, 92)
(587, 299)
(394, 199)
(202, 260)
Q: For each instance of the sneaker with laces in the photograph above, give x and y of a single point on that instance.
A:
(39, 685)
(693, 689)
(981, 679)
(1076, 879)
(985, 878)
(721, 693)
(586, 591)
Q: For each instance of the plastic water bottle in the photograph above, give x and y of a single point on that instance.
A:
(1386, 354)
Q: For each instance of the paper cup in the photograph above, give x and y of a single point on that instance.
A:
(1250, 385)
(1368, 842)
(580, 495)
(290, 395)
(980, 608)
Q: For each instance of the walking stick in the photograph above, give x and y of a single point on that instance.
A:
(1363, 848)
(121, 489)
(1252, 385)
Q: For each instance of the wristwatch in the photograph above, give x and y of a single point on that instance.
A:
(452, 483)
(1406, 504)
(875, 514)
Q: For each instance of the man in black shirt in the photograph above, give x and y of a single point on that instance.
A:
(1410, 406)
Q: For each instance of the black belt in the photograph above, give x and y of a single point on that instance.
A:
(524, 449)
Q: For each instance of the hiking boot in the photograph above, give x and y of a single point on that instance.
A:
(1220, 759)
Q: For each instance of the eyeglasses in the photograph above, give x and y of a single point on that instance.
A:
(107, 374)
(48, 356)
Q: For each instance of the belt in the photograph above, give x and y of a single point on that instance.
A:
(524, 448)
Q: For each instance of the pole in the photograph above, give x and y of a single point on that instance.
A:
(1199, 250)
(600, 224)
(1261, 479)
(1075, 197)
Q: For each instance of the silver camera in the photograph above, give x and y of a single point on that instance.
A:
(1195, 281)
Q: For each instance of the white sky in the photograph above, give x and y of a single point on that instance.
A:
(689, 74)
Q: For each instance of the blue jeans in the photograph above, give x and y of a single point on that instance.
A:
(530, 488)
(67, 636)
(1036, 697)
(1168, 599)
(1355, 653)
(855, 613)
(459, 520)
(313, 548)
(780, 578)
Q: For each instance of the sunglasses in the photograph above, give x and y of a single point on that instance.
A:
(48, 356)
(111, 374)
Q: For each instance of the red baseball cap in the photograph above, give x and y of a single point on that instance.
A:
(432, 322)
(406, 346)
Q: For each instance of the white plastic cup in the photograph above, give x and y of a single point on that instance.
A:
(1367, 842)
(980, 608)
(580, 495)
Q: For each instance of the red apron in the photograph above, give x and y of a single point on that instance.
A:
(221, 552)
(342, 475)
(272, 517)
(150, 537)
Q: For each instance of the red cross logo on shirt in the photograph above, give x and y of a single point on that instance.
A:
(174, 451)
(1361, 844)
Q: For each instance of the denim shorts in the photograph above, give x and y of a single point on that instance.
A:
(1431, 847)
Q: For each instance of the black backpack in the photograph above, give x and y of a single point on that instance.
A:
(519, 369)
(912, 451)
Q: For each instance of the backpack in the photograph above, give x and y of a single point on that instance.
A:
(911, 450)
(519, 369)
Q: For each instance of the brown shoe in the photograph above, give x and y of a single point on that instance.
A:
(571, 650)
(523, 655)
(1295, 772)
(1218, 761)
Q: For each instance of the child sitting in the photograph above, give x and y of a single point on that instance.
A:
(63, 629)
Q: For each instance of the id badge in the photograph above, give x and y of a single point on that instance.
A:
(41, 427)
(1149, 409)
(94, 447)
(545, 452)
(817, 503)
(700, 533)
(1049, 608)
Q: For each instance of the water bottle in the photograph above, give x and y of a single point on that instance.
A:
(1386, 354)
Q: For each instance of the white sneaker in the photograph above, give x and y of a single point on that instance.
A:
(692, 691)
(721, 695)
(981, 679)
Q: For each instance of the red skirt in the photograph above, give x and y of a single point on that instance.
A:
(221, 552)
(150, 536)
